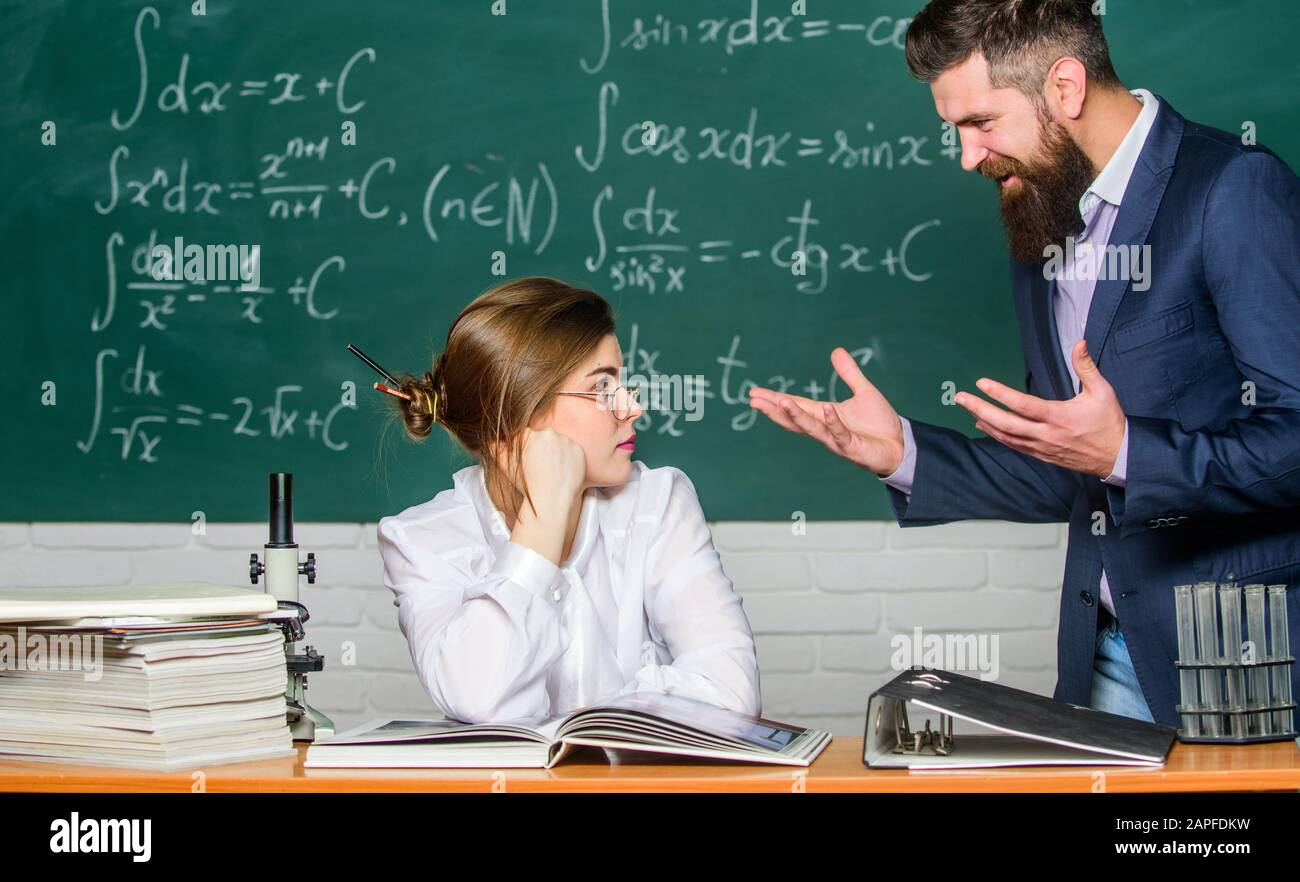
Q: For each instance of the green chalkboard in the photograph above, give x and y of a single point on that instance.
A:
(521, 137)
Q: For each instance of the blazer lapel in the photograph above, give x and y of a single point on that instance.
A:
(1146, 187)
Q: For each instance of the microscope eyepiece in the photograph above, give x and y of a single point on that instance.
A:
(281, 509)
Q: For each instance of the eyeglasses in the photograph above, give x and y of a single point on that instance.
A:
(618, 401)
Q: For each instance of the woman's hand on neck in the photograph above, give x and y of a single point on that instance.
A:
(550, 529)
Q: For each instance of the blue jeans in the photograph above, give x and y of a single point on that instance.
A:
(1115, 687)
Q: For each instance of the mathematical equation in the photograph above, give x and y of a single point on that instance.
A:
(746, 32)
(728, 387)
(207, 97)
(663, 264)
(163, 300)
(138, 423)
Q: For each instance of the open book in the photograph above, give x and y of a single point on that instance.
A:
(653, 722)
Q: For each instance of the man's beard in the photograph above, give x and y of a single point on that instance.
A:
(1043, 208)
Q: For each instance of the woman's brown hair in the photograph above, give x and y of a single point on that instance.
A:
(507, 354)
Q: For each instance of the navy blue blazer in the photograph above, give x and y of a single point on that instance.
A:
(1213, 480)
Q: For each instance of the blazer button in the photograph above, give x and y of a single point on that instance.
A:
(1086, 596)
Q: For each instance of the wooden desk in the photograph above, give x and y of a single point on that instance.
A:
(1191, 768)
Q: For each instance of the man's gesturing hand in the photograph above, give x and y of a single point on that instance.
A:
(1083, 434)
(863, 429)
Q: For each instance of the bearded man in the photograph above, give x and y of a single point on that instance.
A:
(1155, 268)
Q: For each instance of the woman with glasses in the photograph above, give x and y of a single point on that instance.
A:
(557, 571)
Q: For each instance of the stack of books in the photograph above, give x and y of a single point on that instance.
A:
(151, 677)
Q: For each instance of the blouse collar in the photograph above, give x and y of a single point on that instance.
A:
(494, 522)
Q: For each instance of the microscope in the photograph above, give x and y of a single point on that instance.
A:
(282, 569)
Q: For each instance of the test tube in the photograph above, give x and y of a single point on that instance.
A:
(1280, 647)
(1259, 677)
(1186, 617)
(1207, 645)
(1230, 617)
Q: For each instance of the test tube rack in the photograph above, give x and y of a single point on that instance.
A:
(1234, 691)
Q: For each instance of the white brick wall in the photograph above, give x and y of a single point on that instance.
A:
(824, 605)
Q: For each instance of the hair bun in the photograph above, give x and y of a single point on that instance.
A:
(426, 398)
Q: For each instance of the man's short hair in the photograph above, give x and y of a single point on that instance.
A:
(1020, 40)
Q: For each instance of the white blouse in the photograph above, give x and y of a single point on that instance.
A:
(498, 632)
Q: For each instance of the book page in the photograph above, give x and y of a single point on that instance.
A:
(416, 731)
(757, 732)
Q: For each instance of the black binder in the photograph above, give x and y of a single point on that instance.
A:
(1025, 729)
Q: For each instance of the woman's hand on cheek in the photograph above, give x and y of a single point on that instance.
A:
(555, 467)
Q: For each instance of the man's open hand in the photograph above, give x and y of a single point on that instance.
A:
(863, 429)
(1083, 434)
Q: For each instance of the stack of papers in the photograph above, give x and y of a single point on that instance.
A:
(201, 684)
